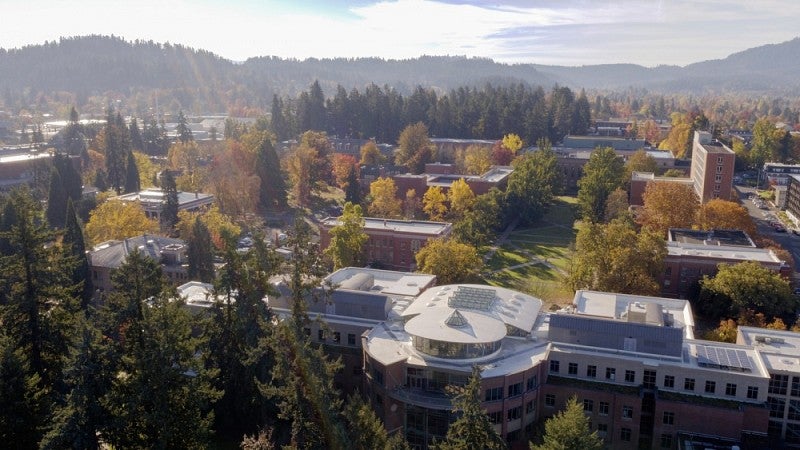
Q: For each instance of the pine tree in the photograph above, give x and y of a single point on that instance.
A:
(70, 177)
(117, 146)
(132, 182)
(137, 143)
(273, 188)
(56, 201)
(237, 331)
(184, 132)
(472, 430)
(75, 247)
(352, 192)
(302, 381)
(569, 430)
(366, 430)
(278, 123)
(21, 397)
(199, 254)
(169, 210)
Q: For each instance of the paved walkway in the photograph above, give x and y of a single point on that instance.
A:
(533, 259)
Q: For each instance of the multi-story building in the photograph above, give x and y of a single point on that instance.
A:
(640, 181)
(712, 167)
(152, 201)
(444, 175)
(691, 254)
(792, 203)
(108, 256)
(391, 243)
(632, 361)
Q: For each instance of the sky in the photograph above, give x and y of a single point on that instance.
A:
(553, 32)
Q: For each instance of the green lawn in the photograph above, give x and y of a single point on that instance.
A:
(541, 245)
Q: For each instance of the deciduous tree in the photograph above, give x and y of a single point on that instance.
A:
(348, 238)
(533, 185)
(461, 198)
(722, 214)
(749, 285)
(414, 148)
(602, 174)
(450, 260)
(383, 199)
(117, 220)
(640, 161)
(477, 160)
(433, 203)
(371, 155)
(668, 205)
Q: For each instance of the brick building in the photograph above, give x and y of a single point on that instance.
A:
(391, 243)
(712, 167)
(691, 254)
(444, 175)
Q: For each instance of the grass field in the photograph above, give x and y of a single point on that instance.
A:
(536, 259)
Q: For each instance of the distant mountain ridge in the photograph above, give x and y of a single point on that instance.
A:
(93, 65)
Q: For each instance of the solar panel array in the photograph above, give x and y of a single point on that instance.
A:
(472, 298)
(723, 358)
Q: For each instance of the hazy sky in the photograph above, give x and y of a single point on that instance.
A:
(568, 32)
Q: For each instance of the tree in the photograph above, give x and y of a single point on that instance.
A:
(602, 174)
(512, 142)
(217, 223)
(414, 148)
(272, 192)
(461, 198)
(640, 161)
(200, 254)
(137, 143)
(116, 145)
(765, 143)
(478, 223)
(532, 185)
(342, 165)
(117, 220)
(169, 208)
(371, 155)
(21, 396)
(725, 215)
(411, 205)
(74, 247)
(184, 132)
(477, 160)
(472, 430)
(569, 430)
(383, 199)
(352, 189)
(299, 165)
(433, 203)
(614, 257)
(279, 124)
(56, 201)
(366, 429)
(450, 260)
(749, 285)
(617, 205)
(500, 155)
(132, 181)
(668, 205)
(70, 178)
(347, 238)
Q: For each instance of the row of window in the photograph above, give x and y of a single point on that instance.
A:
(336, 336)
(649, 380)
(779, 384)
(494, 394)
(513, 413)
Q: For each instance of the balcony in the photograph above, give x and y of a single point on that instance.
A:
(422, 398)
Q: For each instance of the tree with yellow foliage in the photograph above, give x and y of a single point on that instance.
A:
(461, 198)
(668, 205)
(384, 202)
(118, 220)
(512, 142)
(434, 203)
(450, 261)
(218, 225)
(477, 160)
(722, 214)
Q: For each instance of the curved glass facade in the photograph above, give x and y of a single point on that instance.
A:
(453, 350)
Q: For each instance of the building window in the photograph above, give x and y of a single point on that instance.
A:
(730, 389)
(603, 408)
(554, 366)
(688, 384)
(625, 434)
(669, 381)
(627, 412)
(351, 339)
(778, 384)
(572, 369)
(321, 335)
(530, 407)
(588, 405)
(716, 188)
(630, 376)
(794, 410)
(711, 386)
(719, 169)
(512, 436)
(666, 441)
(550, 400)
(514, 413)
(669, 418)
(611, 373)
(719, 160)
(591, 371)
(602, 429)
(377, 375)
(649, 379)
(718, 178)
(337, 337)
(307, 331)
(776, 406)
(515, 389)
(795, 392)
(496, 417)
(494, 394)
(531, 383)
(752, 392)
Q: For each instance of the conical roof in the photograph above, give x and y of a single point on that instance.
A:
(456, 319)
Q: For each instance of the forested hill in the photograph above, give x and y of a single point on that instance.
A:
(198, 79)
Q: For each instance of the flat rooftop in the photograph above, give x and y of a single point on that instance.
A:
(733, 253)
(715, 237)
(403, 226)
(779, 349)
(650, 176)
(383, 281)
(715, 147)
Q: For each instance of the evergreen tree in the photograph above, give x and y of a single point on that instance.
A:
(101, 180)
(237, 331)
(75, 247)
(56, 201)
(352, 192)
(278, 123)
(272, 193)
(74, 138)
(472, 430)
(132, 181)
(117, 146)
(366, 430)
(199, 254)
(70, 177)
(77, 422)
(184, 132)
(169, 210)
(569, 430)
(137, 142)
(302, 380)
(21, 397)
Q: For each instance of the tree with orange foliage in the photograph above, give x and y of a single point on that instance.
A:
(340, 166)
(668, 205)
(722, 214)
(233, 181)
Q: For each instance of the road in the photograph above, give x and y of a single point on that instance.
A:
(762, 217)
